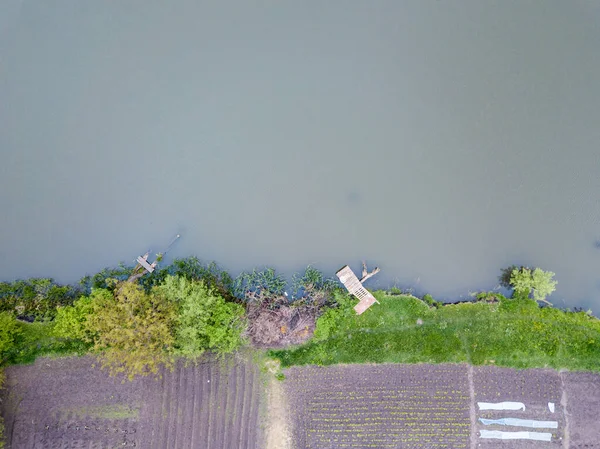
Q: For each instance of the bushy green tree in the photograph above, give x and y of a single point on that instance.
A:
(525, 281)
(205, 321)
(71, 321)
(132, 330)
(328, 324)
(10, 330)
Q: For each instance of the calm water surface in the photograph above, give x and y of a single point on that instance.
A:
(439, 140)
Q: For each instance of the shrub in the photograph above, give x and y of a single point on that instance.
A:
(71, 321)
(328, 324)
(192, 269)
(10, 331)
(264, 283)
(101, 280)
(428, 299)
(205, 321)
(36, 298)
(132, 330)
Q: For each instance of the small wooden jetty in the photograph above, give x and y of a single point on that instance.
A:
(355, 287)
(143, 261)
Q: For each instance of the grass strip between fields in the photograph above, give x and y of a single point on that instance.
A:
(403, 329)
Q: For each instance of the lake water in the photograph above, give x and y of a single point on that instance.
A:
(439, 140)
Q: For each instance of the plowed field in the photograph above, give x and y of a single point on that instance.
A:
(435, 406)
(68, 403)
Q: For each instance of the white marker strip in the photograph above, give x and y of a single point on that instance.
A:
(521, 423)
(501, 406)
(499, 435)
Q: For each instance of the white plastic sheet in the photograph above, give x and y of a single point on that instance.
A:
(499, 435)
(501, 406)
(520, 422)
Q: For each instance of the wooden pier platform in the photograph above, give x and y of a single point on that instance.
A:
(144, 263)
(355, 287)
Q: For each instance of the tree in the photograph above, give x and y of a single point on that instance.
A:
(10, 330)
(71, 321)
(205, 321)
(132, 330)
(542, 284)
(524, 281)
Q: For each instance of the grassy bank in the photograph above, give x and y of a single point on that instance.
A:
(403, 329)
(36, 340)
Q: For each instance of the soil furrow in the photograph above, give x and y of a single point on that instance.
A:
(198, 388)
(245, 405)
(230, 405)
(174, 408)
(188, 405)
(157, 414)
(201, 425)
(221, 403)
(163, 431)
(253, 417)
(214, 405)
(239, 403)
(180, 403)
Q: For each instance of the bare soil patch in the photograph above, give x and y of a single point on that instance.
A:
(533, 387)
(60, 403)
(582, 393)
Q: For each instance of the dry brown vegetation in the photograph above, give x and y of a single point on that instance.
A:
(274, 323)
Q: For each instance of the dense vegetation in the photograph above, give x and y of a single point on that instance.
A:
(188, 307)
(136, 323)
(493, 330)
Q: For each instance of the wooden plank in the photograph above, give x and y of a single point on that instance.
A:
(144, 263)
(354, 286)
(364, 304)
(348, 278)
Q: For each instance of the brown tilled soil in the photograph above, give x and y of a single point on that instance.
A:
(69, 403)
(380, 406)
(582, 394)
(534, 388)
(434, 406)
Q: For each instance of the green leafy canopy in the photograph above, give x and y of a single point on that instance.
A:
(205, 321)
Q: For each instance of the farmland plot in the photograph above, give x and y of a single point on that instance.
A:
(69, 403)
(582, 393)
(535, 388)
(380, 406)
(435, 406)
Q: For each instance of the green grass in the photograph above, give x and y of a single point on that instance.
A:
(514, 333)
(36, 340)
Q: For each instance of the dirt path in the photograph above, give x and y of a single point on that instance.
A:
(278, 435)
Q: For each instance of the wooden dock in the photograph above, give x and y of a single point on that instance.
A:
(355, 287)
(143, 261)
